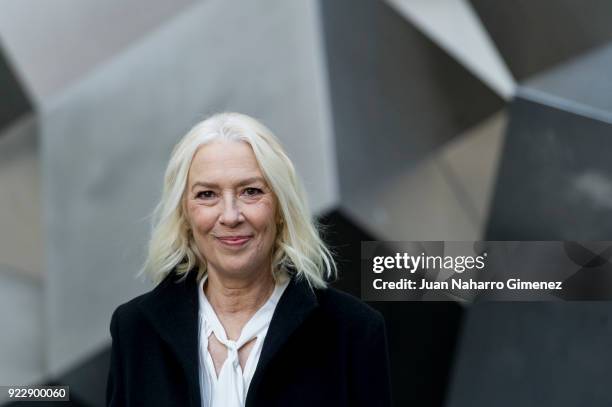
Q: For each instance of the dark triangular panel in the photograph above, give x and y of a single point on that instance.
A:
(422, 335)
(395, 94)
(532, 36)
(555, 177)
(15, 101)
(534, 355)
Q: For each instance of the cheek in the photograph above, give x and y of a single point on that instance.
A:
(201, 218)
(263, 219)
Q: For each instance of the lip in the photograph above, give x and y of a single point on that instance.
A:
(234, 241)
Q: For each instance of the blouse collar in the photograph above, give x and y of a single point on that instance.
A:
(172, 310)
(264, 314)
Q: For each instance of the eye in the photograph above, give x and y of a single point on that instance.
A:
(205, 195)
(251, 191)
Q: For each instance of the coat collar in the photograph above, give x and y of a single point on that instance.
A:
(296, 303)
(172, 309)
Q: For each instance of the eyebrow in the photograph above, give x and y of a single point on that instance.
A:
(239, 184)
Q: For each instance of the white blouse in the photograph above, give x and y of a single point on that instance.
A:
(230, 388)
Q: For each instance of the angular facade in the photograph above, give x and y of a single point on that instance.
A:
(459, 120)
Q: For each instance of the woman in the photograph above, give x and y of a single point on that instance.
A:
(242, 314)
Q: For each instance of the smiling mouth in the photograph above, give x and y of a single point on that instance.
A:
(234, 241)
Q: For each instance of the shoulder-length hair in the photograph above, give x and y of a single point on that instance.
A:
(298, 246)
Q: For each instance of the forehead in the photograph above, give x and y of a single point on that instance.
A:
(224, 160)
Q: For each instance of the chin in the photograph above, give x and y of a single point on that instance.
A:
(235, 267)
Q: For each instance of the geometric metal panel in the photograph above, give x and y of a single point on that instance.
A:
(532, 36)
(555, 177)
(55, 43)
(455, 27)
(22, 333)
(22, 243)
(14, 99)
(534, 355)
(446, 196)
(582, 85)
(396, 96)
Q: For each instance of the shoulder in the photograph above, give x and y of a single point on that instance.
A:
(130, 309)
(129, 315)
(134, 310)
(346, 309)
(175, 296)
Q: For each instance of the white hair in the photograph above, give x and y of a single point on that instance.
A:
(298, 246)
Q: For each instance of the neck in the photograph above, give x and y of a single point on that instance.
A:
(238, 296)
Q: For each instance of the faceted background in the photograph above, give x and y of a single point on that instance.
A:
(406, 119)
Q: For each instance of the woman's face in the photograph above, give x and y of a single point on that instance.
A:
(231, 209)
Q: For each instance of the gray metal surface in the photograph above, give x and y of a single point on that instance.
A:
(22, 329)
(54, 43)
(555, 177)
(396, 96)
(534, 355)
(533, 36)
(582, 85)
(22, 244)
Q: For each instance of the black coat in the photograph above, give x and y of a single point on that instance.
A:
(323, 348)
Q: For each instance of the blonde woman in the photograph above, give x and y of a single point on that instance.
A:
(241, 314)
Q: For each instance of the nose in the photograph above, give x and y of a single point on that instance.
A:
(231, 214)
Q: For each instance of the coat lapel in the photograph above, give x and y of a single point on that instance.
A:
(296, 303)
(172, 309)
